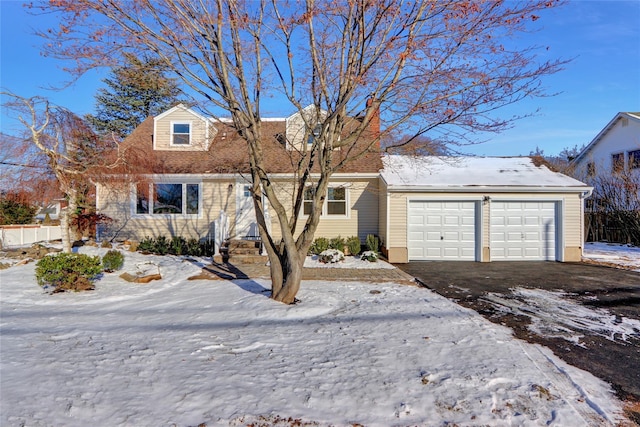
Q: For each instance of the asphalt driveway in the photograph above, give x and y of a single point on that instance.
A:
(503, 292)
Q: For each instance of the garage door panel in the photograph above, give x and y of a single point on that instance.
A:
(443, 230)
(522, 230)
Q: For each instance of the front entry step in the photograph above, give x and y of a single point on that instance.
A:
(238, 251)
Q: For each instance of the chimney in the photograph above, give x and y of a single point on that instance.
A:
(374, 124)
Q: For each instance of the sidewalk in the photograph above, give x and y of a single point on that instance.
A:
(223, 271)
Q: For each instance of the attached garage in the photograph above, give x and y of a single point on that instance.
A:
(442, 230)
(523, 230)
(479, 209)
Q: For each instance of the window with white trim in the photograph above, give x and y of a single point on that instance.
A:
(335, 204)
(168, 199)
(180, 133)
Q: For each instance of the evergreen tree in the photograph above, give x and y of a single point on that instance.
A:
(135, 91)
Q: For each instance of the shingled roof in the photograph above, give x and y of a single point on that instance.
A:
(227, 153)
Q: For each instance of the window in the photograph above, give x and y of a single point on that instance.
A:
(634, 159)
(591, 169)
(168, 199)
(308, 201)
(335, 205)
(180, 133)
(317, 130)
(617, 162)
(336, 201)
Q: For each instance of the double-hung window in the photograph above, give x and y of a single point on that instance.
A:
(180, 133)
(335, 204)
(168, 199)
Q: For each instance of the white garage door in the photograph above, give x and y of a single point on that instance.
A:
(442, 230)
(523, 231)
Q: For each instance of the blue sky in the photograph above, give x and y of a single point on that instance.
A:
(602, 37)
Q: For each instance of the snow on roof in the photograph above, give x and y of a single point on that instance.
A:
(432, 172)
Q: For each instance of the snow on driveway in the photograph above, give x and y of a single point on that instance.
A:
(179, 352)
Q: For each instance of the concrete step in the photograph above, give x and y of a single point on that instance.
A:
(232, 244)
(248, 259)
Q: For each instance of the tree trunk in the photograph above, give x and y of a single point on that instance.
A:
(64, 229)
(286, 275)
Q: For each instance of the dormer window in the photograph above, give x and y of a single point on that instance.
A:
(180, 133)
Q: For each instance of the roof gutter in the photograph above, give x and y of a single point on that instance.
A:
(489, 189)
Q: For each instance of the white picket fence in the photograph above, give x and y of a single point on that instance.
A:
(20, 235)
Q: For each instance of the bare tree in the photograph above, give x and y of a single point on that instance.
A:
(427, 68)
(613, 211)
(71, 149)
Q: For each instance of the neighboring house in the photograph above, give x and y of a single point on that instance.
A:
(52, 209)
(615, 148)
(194, 173)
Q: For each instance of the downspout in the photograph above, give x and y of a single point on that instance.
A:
(583, 196)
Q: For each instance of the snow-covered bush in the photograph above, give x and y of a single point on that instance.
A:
(63, 271)
(331, 256)
(370, 256)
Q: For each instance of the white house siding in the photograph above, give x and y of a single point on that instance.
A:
(623, 136)
(569, 225)
(162, 133)
(117, 204)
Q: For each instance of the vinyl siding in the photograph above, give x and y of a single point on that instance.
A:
(362, 219)
(116, 203)
(162, 133)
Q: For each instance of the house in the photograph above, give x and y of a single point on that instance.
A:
(193, 182)
(615, 148)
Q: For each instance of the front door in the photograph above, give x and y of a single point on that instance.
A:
(246, 225)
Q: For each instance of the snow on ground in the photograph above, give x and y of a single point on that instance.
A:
(179, 352)
(553, 314)
(349, 262)
(613, 253)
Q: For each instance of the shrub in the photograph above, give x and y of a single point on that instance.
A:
(13, 212)
(65, 271)
(353, 244)
(319, 245)
(373, 243)
(331, 256)
(176, 245)
(112, 261)
(369, 256)
(146, 245)
(337, 243)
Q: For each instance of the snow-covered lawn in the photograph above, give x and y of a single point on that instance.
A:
(613, 254)
(180, 352)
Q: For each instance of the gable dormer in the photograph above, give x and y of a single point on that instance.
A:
(182, 129)
(302, 125)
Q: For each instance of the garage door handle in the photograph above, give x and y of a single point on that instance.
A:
(441, 237)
